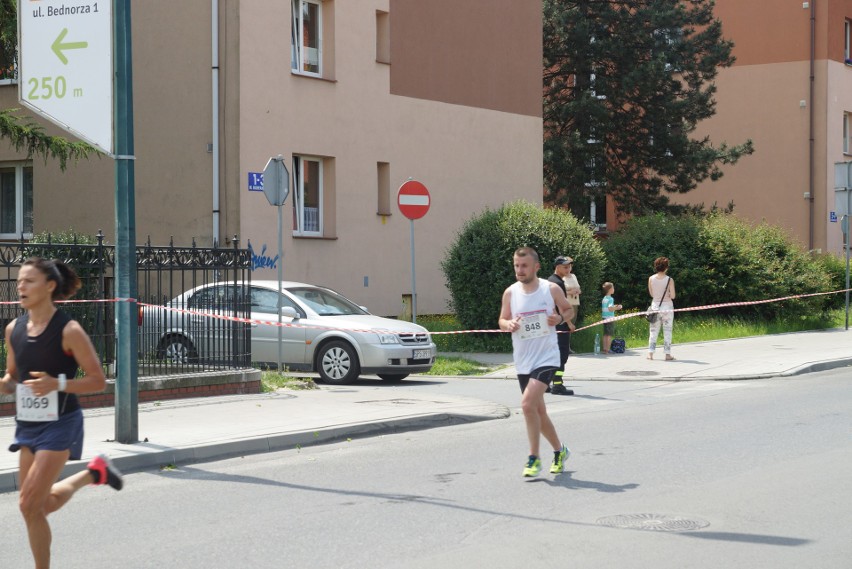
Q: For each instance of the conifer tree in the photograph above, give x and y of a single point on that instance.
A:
(625, 85)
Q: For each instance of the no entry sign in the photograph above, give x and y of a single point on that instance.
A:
(413, 199)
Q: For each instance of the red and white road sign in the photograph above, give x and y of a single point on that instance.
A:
(413, 199)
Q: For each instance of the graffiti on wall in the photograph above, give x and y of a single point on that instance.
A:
(262, 261)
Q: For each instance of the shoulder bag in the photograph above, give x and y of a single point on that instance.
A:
(651, 315)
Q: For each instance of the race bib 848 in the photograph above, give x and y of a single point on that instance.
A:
(533, 325)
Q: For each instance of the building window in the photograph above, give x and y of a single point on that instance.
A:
(306, 40)
(382, 36)
(383, 207)
(847, 133)
(597, 214)
(307, 196)
(847, 38)
(16, 201)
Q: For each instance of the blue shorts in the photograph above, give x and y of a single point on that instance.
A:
(543, 374)
(66, 433)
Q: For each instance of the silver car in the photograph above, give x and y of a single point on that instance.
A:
(323, 331)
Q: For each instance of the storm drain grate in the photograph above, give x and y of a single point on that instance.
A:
(653, 522)
(638, 373)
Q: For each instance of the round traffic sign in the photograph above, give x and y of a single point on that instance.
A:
(413, 199)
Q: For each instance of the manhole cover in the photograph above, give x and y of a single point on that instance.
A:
(653, 522)
(638, 373)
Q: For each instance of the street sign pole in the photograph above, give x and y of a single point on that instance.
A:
(848, 211)
(126, 381)
(413, 200)
(843, 183)
(413, 279)
(276, 187)
(280, 278)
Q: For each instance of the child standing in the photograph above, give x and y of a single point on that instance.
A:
(608, 308)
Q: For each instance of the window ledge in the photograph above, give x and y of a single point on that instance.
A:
(316, 77)
(318, 237)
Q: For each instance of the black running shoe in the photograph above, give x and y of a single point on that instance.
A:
(561, 390)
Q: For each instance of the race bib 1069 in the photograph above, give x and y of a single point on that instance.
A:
(533, 325)
(28, 407)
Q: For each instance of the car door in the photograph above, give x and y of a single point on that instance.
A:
(264, 337)
(214, 337)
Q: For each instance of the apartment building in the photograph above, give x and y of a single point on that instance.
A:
(357, 96)
(790, 91)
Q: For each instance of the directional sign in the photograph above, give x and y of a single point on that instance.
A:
(65, 66)
(413, 199)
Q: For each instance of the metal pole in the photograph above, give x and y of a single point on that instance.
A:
(848, 211)
(280, 270)
(413, 279)
(126, 383)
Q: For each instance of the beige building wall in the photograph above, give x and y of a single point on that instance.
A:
(445, 93)
(766, 97)
(172, 128)
(468, 157)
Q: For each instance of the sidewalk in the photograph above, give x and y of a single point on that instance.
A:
(187, 430)
(778, 355)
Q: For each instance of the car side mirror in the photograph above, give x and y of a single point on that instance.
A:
(289, 312)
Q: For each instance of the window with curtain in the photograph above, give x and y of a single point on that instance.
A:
(307, 196)
(306, 37)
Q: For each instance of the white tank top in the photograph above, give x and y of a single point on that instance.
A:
(535, 344)
(658, 287)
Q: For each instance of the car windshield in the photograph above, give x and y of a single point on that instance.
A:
(325, 302)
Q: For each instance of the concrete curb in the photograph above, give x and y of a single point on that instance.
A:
(274, 442)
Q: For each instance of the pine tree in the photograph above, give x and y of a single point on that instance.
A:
(625, 85)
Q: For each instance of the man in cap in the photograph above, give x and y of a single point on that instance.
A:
(561, 268)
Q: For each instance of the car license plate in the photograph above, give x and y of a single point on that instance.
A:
(422, 354)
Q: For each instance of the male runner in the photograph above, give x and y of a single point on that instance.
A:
(531, 309)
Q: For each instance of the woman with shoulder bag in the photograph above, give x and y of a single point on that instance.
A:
(661, 287)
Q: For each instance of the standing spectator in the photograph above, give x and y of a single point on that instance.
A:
(531, 308)
(572, 290)
(608, 308)
(563, 330)
(661, 287)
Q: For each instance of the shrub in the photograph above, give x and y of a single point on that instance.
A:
(718, 259)
(478, 264)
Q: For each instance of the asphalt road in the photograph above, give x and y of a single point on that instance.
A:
(752, 474)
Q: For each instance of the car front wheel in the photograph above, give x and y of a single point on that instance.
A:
(338, 363)
(178, 350)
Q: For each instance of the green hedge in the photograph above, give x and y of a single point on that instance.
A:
(719, 258)
(478, 264)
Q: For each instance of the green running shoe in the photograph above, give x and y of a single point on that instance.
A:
(533, 466)
(559, 458)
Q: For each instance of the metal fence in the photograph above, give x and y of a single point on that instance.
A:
(163, 273)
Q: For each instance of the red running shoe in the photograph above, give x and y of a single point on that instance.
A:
(104, 472)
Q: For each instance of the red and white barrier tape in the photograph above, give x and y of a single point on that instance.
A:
(372, 330)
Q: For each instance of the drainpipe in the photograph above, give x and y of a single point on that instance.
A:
(215, 125)
(811, 129)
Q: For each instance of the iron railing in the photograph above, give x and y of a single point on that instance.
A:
(163, 273)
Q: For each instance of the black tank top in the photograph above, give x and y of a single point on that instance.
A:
(44, 353)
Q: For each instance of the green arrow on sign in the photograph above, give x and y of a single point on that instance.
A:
(58, 46)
